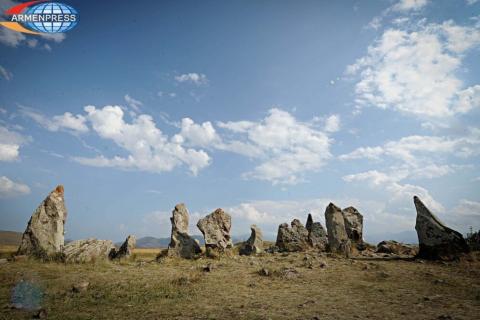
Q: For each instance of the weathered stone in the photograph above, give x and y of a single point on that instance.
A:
(436, 241)
(82, 286)
(88, 250)
(338, 241)
(353, 224)
(44, 235)
(294, 238)
(125, 250)
(215, 228)
(317, 236)
(394, 247)
(181, 244)
(254, 244)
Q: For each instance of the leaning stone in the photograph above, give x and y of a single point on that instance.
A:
(126, 249)
(292, 239)
(44, 235)
(436, 241)
(89, 250)
(254, 244)
(353, 224)
(338, 241)
(215, 228)
(181, 244)
(317, 236)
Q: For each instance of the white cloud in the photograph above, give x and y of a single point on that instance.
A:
(7, 75)
(10, 143)
(133, 103)
(406, 5)
(471, 2)
(286, 147)
(467, 207)
(203, 135)
(66, 121)
(415, 72)
(9, 188)
(364, 152)
(148, 148)
(195, 78)
(332, 124)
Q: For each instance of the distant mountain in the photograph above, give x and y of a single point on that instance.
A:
(10, 238)
(152, 242)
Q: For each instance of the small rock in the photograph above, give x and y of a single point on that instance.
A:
(208, 268)
(19, 258)
(80, 287)
(3, 261)
(264, 272)
(40, 314)
(323, 264)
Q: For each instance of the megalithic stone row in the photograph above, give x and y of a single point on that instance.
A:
(436, 241)
(126, 249)
(353, 221)
(181, 244)
(44, 235)
(254, 244)
(292, 239)
(317, 236)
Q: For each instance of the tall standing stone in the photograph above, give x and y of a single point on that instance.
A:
(44, 235)
(292, 239)
(126, 249)
(215, 228)
(338, 241)
(254, 244)
(181, 244)
(436, 241)
(353, 224)
(317, 236)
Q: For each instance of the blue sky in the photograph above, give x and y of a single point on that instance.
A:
(268, 109)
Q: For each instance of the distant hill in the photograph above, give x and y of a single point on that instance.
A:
(152, 242)
(10, 238)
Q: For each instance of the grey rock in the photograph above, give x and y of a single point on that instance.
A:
(88, 250)
(353, 224)
(80, 287)
(44, 235)
(338, 241)
(181, 244)
(254, 244)
(436, 241)
(394, 247)
(126, 249)
(292, 239)
(317, 236)
(215, 228)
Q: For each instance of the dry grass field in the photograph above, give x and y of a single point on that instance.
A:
(291, 286)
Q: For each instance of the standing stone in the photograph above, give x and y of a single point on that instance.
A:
(215, 228)
(292, 239)
(353, 224)
(436, 241)
(338, 241)
(181, 244)
(89, 250)
(254, 244)
(44, 235)
(126, 249)
(317, 236)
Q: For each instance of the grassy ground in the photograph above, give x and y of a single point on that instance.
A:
(298, 286)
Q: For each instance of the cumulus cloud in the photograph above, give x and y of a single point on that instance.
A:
(406, 5)
(286, 147)
(7, 75)
(9, 188)
(414, 72)
(133, 103)
(66, 121)
(203, 135)
(195, 78)
(10, 143)
(332, 124)
(147, 147)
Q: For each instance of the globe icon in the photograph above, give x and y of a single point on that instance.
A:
(52, 26)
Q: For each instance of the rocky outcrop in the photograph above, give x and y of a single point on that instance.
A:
(353, 221)
(436, 241)
(88, 250)
(398, 248)
(181, 244)
(44, 235)
(126, 249)
(254, 244)
(338, 241)
(317, 236)
(215, 228)
(292, 239)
